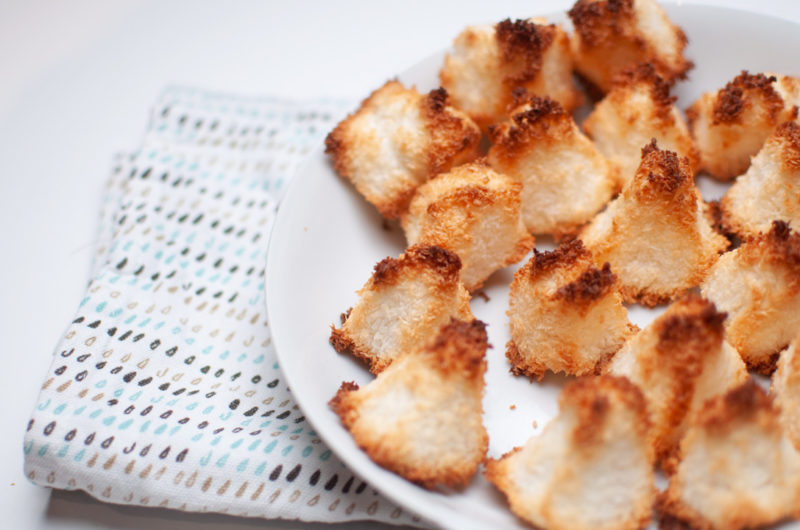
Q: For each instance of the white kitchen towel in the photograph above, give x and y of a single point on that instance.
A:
(165, 389)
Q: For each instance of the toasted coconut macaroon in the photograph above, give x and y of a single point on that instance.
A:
(565, 314)
(397, 140)
(565, 179)
(475, 212)
(421, 417)
(679, 361)
(637, 109)
(730, 125)
(656, 234)
(737, 469)
(758, 284)
(405, 301)
(611, 35)
(771, 187)
(488, 63)
(591, 467)
(786, 388)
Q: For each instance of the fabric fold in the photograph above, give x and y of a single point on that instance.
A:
(165, 389)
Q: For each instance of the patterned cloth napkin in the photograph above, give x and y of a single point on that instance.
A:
(165, 390)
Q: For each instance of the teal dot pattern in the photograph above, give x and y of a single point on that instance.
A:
(164, 389)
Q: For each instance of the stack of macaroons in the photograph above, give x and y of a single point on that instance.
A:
(618, 193)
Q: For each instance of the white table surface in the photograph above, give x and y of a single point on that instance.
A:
(76, 82)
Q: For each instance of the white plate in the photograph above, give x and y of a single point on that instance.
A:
(326, 240)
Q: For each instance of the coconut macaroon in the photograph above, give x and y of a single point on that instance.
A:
(731, 124)
(771, 187)
(404, 302)
(786, 388)
(421, 417)
(591, 467)
(638, 108)
(565, 180)
(487, 63)
(565, 314)
(758, 284)
(679, 361)
(475, 212)
(611, 35)
(397, 140)
(737, 470)
(656, 234)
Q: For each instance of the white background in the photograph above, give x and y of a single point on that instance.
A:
(76, 83)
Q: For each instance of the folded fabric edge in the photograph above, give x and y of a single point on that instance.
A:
(87, 480)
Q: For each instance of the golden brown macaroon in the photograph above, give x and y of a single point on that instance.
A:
(771, 187)
(758, 284)
(679, 361)
(565, 180)
(475, 212)
(565, 314)
(397, 140)
(730, 125)
(737, 469)
(637, 109)
(404, 302)
(786, 388)
(591, 467)
(611, 35)
(488, 63)
(421, 417)
(656, 234)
